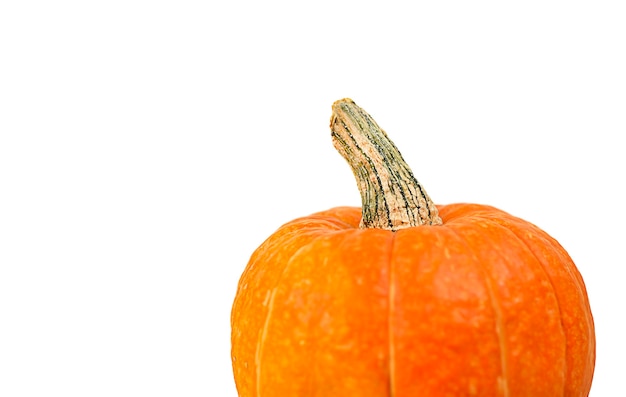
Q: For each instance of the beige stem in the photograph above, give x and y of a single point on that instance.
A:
(392, 198)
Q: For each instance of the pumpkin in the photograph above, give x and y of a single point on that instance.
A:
(405, 298)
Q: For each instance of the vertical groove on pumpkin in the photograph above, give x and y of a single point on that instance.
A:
(503, 383)
(392, 198)
(391, 307)
(261, 341)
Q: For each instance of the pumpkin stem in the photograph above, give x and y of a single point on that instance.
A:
(392, 198)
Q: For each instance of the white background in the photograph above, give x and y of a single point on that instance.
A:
(147, 148)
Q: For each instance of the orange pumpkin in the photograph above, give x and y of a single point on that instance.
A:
(403, 298)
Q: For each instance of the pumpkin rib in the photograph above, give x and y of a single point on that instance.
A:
(569, 268)
(556, 295)
(317, 228)
(500, 332)
(268, 314)
(342, 367)
(285, 236)
(505, 223)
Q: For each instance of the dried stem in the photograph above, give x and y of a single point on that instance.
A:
(392, 198)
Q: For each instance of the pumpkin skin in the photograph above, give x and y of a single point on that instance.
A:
(485, 304)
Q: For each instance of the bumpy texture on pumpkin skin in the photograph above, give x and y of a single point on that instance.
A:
(484, 305)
